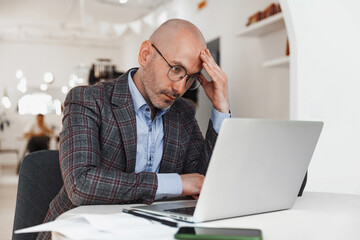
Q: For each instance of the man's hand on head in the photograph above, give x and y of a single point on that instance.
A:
(217, 89)
(192, 183)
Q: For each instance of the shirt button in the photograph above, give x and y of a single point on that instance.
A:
(147, 109)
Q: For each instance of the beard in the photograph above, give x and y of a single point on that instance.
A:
(153, 91)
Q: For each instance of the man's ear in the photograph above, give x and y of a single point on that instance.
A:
(145, 52)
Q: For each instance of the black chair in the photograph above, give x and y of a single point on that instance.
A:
(39, 182)
(34, 144)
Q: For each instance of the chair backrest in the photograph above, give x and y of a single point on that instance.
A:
(39, 182)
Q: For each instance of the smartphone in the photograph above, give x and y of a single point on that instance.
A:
(205, 233)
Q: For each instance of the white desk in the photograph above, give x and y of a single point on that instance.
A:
(314, 216)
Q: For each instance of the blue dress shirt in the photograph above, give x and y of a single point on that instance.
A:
(150, 141)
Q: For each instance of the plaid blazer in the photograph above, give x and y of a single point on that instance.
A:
(98, 148)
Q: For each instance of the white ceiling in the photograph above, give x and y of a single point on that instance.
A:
(82, 21)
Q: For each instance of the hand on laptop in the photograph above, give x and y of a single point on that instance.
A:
(192, 183)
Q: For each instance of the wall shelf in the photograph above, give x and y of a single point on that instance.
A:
(265, 26)
(277, 62)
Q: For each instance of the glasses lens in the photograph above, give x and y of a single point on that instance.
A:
(192, 83)
(176, 73)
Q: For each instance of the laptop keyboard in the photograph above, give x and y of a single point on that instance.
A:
(187, 210)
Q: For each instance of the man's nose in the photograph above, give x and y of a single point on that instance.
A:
(179, 86)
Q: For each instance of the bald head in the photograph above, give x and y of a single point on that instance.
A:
(176, 44)
(175, 29)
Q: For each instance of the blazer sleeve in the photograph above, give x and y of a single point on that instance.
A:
(85, 180)
(199, 152)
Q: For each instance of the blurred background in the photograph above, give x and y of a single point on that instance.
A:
(285, 60)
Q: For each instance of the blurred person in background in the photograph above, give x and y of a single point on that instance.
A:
(38, 134)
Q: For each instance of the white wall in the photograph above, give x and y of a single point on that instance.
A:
(325, 85)
(34, 59)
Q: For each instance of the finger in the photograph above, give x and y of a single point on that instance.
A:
(203, 79)
(213, 73)
(211, 59)
(208, 69)
(206, 84)
(217, 72)
(195, 197)
(207, 58)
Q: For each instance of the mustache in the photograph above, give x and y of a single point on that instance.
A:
(171, 94)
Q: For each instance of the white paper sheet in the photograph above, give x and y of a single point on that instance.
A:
(105, 227)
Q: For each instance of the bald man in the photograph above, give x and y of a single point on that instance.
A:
(134, 139)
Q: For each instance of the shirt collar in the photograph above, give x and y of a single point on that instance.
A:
(136, 96)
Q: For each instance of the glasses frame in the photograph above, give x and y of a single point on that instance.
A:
(188, 75)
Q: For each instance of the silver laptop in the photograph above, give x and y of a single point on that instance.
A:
(257, 166)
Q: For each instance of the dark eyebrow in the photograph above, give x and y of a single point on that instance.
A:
(182, 65)
(175, 62)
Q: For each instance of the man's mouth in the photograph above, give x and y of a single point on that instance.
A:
(171, 98)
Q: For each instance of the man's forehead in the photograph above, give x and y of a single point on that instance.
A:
(188, 57)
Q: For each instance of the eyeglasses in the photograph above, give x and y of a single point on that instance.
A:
(178, 72)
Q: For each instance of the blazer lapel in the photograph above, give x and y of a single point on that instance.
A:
(126, 120)
(171, 142)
